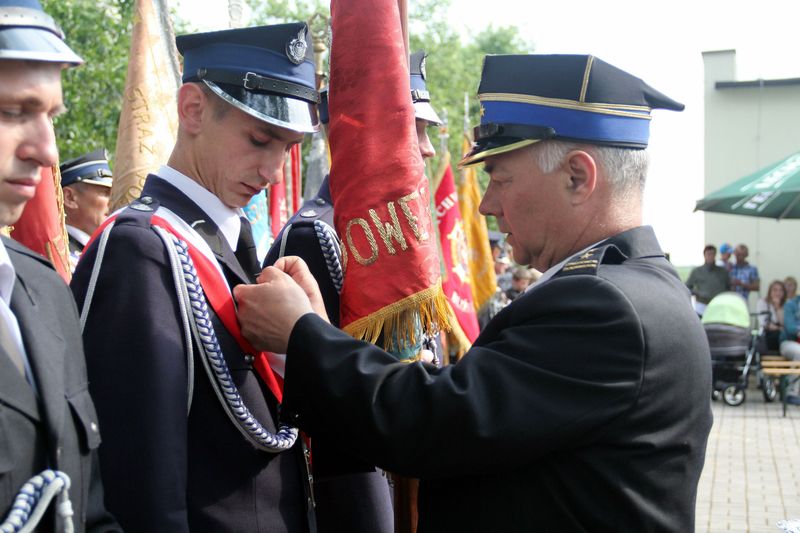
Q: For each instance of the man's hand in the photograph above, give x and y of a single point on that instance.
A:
(268, 311)
(298, 270)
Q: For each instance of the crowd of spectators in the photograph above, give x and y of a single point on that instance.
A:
(778, 311)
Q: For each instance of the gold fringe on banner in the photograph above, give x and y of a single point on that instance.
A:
(402, 319)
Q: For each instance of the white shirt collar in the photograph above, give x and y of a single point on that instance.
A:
(226, 219)
(553, 270)
(79, 235)
(7, 275)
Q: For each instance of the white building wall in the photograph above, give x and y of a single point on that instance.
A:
(747, 129)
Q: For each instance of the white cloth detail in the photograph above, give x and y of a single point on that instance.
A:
(77, 234)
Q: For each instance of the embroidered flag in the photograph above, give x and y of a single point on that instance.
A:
(455, 257)
(41, 226)
(296, 175)
(481, 264)
(148, 122)
(392, 284)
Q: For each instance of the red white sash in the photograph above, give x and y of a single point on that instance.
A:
(216, 290)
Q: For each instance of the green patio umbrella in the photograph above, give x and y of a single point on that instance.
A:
(772, 192)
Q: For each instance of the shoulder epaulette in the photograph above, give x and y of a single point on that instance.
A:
(589, 261)
(140, 211)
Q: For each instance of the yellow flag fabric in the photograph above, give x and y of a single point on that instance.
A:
(481, 263)
(148, 122)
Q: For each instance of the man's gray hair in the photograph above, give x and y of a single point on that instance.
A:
(625, 168)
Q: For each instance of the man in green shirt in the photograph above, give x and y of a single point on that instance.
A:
(707, 280)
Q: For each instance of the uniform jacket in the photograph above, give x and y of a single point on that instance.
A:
(351, 495)
(582, 406)
(167, 470)
(60, 431)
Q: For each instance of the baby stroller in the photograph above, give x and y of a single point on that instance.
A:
(734, 347)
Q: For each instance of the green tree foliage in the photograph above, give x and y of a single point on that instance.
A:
(99, 31)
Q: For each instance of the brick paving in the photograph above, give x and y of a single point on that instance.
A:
(751, 477)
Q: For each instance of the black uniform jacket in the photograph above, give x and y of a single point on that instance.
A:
(60, 430)
(167, 469)
(351, 494)
(583, 405)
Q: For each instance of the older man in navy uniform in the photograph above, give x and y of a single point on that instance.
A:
(192, 441)
(49, 432)
(584, 404)
(351, 495)
(86, 182)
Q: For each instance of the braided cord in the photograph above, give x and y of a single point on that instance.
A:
(180, 287)
(33, 499)
(101, 250)
(215, 365)
(330, 250)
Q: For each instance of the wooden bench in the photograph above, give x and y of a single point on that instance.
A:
(779, 367)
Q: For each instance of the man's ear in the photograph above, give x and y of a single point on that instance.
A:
(582, 171)
(70, 202)
(192, 100)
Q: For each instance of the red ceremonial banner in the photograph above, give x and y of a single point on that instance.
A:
(377, 180)
(455, 256)
(41, 226)
(297, 159)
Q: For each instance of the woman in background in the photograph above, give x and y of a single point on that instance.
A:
(770, 314)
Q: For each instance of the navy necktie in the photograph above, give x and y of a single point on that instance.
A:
(246, 250)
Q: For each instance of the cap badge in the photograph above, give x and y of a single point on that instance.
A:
(422, 68)
(296, 48)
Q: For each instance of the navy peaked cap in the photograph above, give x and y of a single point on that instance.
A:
(89, 168)
(266, 71)
(420, 96)
(28, 33)
(528, 98)
(419, 89)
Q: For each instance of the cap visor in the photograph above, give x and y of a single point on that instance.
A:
(103, 182)
(34, 44)
(290, 113)
(425, 111)
(479, 153)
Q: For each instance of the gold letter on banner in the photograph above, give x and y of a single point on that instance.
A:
(373, 245)
(412, 220)
(387, 230)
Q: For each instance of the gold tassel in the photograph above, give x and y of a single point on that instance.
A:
(400, 318)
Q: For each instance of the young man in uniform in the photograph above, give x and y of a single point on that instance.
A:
(193, 442)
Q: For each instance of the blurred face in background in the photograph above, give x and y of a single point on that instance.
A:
(741, 253)
(86, 205)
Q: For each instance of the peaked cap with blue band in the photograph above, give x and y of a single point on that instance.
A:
(90, 168)
(530, 98)
(421, 98)
(419, 89)
(266, 71)
(28, 33)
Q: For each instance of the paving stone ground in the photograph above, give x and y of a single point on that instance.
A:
(751, 478)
